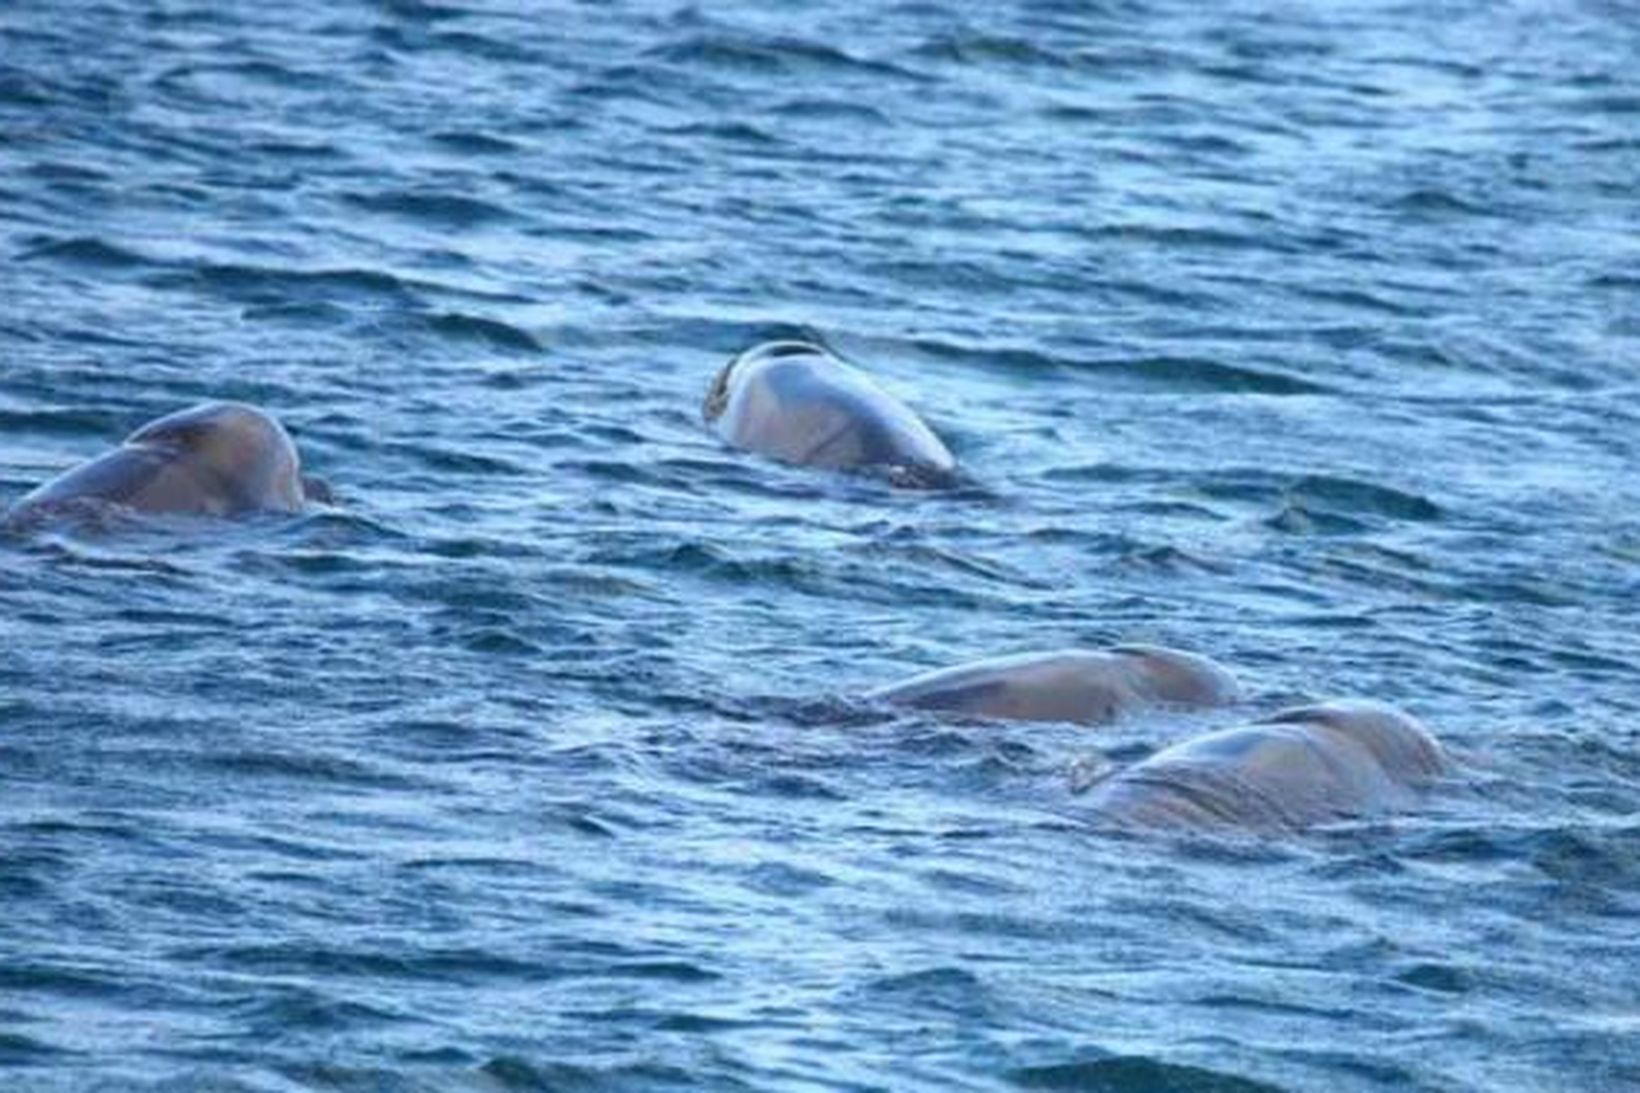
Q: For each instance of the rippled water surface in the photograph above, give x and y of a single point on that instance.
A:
(1304, 336)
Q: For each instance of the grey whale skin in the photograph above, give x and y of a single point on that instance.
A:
(213, 459)
(1298, 768)
(1092, 686)
(797, 403)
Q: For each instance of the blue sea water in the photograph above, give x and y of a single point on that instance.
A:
(1304, 336)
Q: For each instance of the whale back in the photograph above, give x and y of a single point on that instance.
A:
(1202, 798)
(1062, 686)
(1089, 686)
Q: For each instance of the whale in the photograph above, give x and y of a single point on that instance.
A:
(797, 403)
(212, 459)
(1304, 766)
(1091, 686)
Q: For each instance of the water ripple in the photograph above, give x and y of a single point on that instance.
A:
(538, 760)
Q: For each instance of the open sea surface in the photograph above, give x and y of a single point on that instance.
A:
(1306, 336)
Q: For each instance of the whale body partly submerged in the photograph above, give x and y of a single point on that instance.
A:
(1092, 686)
(1301, 767)
(213, 459)
(797, 403)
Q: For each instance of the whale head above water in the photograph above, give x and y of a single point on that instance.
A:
(213, 459)
(797, 403)
(1297, 768)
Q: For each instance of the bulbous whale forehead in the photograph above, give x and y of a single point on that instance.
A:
(717, 396)
(1398, 741)
(209, 422)
(237, 442)
(1178, 676)
(216, 458)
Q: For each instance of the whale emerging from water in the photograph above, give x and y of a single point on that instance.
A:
(1298, 768)
(214, 459)
(797, 403)
(1090, 686)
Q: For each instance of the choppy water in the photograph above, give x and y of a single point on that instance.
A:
(1303, 336)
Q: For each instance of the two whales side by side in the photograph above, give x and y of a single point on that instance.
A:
(213, 459)
(1295, 769)
(797, 403)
